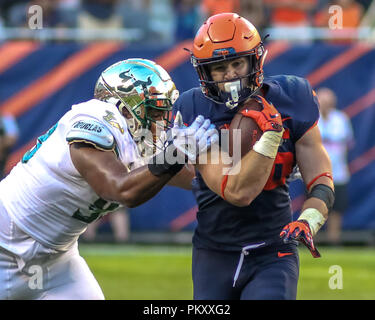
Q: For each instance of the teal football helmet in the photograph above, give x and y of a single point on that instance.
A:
(142, 90)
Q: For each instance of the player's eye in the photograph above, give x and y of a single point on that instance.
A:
(156, 114)
(237, 64)
(218, 68)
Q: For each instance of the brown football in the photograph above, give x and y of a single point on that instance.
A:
(249, 130)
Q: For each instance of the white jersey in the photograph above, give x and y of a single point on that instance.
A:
(46, 196)
(337, 136)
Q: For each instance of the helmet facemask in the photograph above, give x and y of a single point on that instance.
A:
(148, 122)
(238, 89)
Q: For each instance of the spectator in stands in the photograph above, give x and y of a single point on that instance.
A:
(161, 22)
(291, 18)
(99, 14)
(6, 7)
(337, 136)
(188, 18)
(69, 12)
(9, 133)
(352, 13)
(254, 11)
(136, 15)
(368, 21)
(120, 225)
(365, 4)
(212, 7)
(290, 13)
(56, 13)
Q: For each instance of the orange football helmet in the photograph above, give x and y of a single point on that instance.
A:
(228, 36)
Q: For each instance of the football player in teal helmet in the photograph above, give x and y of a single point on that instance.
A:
(144, 93)
(88, 164)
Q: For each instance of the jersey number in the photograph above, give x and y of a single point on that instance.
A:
(97, 209)
(282, 168)
(29, 154)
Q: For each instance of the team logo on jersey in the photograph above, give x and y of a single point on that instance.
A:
(110, 118)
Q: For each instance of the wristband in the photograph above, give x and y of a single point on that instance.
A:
(268, 144)
(159, 164)
(314, 218)
(324, 193)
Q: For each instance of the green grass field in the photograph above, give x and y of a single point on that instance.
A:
(133, 272)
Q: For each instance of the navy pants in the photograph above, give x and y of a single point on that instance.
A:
(262, 274)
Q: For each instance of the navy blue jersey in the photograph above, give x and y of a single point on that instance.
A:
(222, 225)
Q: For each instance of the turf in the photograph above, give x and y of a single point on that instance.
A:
(133, 272)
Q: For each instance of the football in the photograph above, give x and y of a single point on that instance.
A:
(249, 130)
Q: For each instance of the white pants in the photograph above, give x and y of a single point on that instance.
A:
(29, 270)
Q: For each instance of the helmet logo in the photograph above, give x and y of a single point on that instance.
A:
(223, 52)
(125, 77)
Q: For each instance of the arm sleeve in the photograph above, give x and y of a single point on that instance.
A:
(185, 103)
(308, 108)
(176, 108)
(91, 131)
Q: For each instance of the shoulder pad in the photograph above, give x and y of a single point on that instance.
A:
(92, 132)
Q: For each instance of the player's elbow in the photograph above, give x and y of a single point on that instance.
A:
(243, 197)
(240, 199)
(115, 193)
(130, 200)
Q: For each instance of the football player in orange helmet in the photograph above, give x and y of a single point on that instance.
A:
(244, 246)
(224, 38)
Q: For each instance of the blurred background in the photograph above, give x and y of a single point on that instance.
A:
(51, 61)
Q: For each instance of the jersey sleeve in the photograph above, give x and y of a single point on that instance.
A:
(91, 131)
(176, 108)
(185, 104)
(308, 108)
(98, 124)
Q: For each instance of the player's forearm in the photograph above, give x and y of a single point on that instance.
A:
(316, 208)
(316, 203)
(183, 178)
(252, 174)
(137, 187)
(254, 169)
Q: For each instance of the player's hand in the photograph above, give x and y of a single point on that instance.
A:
(195, 139)
(269, 119)
(300, 230)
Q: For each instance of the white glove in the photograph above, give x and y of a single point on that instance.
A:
(195, 139)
